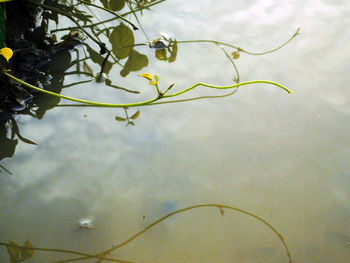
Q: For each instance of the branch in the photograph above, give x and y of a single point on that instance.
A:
(147, 102)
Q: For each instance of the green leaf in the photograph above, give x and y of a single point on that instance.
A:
(116, 5)
(14, 251)
(135, 115)
(122, 40)
(27, 253)
(117, 118)
(135, 62)
(161, 54)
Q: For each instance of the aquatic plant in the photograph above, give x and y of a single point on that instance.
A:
(122, 41)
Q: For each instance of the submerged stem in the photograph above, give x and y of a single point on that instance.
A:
(219, 206)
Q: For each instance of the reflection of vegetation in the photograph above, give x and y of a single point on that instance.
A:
(14, 250)
(9, 136)
(128, 119)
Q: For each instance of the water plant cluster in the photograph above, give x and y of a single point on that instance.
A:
(33, 78)
(35, 61)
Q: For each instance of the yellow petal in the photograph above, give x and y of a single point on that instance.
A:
(153, 83)
(6, 53)
(146, 76)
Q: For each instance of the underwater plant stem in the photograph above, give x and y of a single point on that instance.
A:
(64, 251)
(198, 206)
(111, 12)
(219, 206)
(146, 102)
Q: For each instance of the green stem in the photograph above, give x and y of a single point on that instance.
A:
(240, 49)
(228, 87)
(147, 102)
(111, 12)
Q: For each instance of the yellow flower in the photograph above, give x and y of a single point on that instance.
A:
(146, 76)
(6, 53)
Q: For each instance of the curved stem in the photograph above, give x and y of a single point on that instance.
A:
(237, 79)
(156, 103)
(147, 102)
(228, 87)
(272, 50)
(241, 49)
(219, 206)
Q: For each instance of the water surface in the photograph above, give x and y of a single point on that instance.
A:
(281, 156)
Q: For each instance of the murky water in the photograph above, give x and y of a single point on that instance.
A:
(283, 157)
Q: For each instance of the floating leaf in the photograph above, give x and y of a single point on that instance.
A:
(173, 53)
(116, 5)
(135, 62)
(235, 55)
(117, 118)
(14, 251)
(6, 53)
(135, 115)
(146, 76)
(161, 54)
(26, 252)
(122, 40)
